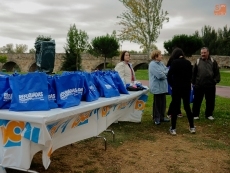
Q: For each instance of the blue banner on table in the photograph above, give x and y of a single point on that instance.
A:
(29, 92)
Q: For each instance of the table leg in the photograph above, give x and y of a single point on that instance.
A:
(104, 140)
(109, 130)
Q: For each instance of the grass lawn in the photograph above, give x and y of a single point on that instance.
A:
(217, 130)
(225, 76)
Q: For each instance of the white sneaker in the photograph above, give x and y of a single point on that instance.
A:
(172, 131)
(196, 118)
(210, 118)
(192, 130)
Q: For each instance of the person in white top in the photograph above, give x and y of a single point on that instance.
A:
(125, 69)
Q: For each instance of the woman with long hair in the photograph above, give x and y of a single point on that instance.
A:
(171, 58)
(179, 77)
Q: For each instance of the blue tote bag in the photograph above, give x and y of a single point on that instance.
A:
(169, 90)
(5, 92)
(29, 92)
(69, 88)
(90, 90)
(95, 76)
(118, 82)
(52, 98)
(106, 86)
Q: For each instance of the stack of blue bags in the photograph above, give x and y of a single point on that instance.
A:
(38, 91)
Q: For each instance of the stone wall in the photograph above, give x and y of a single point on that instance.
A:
(26, 62)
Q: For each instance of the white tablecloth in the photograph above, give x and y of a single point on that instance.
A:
(25, 133)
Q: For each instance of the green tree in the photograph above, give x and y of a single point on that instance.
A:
(152, 48)
(189, 44)
(43, 38)
(209, 38)
(133, 51)
(8, 48)
(105, 46)
(218, 41)
(223, 41)
(77, 42)
(3, 59)
(142, 21)
(21, 48)
(32, 50)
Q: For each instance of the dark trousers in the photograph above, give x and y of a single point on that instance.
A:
(199, 93)
(159, 107)
(170, 110)
(179, 93)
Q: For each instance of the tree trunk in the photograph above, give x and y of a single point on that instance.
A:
(149, 52)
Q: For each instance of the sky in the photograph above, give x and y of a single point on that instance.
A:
(21, 22)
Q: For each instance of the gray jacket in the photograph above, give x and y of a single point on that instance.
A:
(158, 78)
(206, 73)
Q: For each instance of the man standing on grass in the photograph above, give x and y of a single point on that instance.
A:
(206, 75)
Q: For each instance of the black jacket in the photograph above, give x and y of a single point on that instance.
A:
(180, 73)
(206, 73)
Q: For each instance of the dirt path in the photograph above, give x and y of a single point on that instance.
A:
(223, 91)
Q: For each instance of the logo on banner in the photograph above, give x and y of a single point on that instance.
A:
(31, 133)
(140, 103)
(53, 128)
(105, 111)
(122, 105)
(81, 119)
(66, 124)
(220, 9)
(11, 133)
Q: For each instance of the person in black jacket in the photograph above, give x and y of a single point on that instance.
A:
(179, 77)
(172, 57)
(206, 75)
